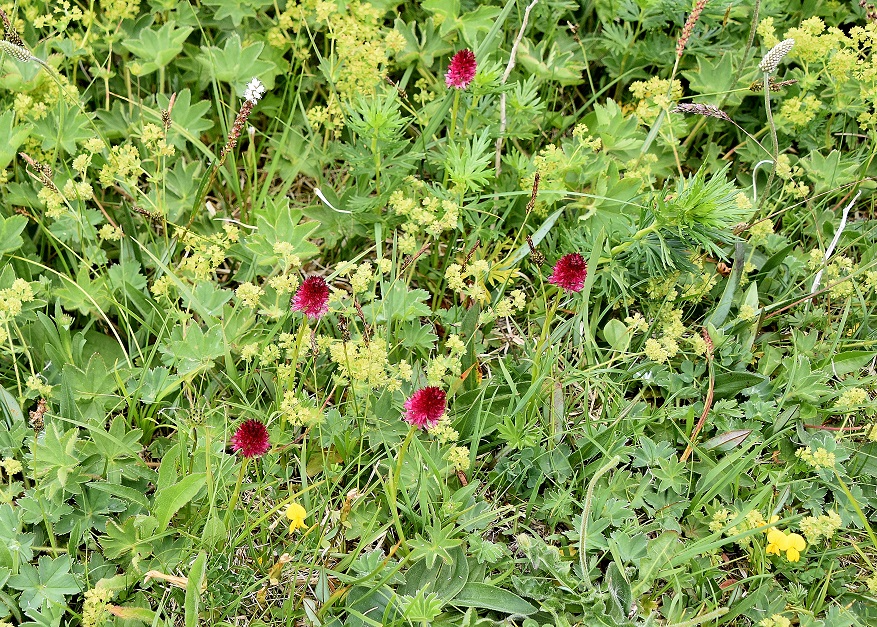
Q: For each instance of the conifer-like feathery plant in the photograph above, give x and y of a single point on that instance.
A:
(699, 212)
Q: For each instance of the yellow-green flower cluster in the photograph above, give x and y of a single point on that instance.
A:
(871, 582)
(423, 211)
(817, 527)
(839, 268)
(361, 276)
(698, 284)
(513, 302)
(442, 369)
(652, 96)
(456, 276)
(697, 344)
(364, 365)
(154, 140)
(719, 520)
(767, 31)
(661, 350)
(747, 313)
(851, 397)
(94, 609)
(455, 345)
(36, 383)
(636, 323)
(284, 283)
(358, 43)
(270, 355)
(11, 466)
(789, 173)
(286, 252)
(671, 323)
(289, 343)
(580, 132)
(12, 298)
(249, 351)
(847, 66)
(760, 231)
(53, 200)
(110, 233)
(162, 286)
(114, 11)
(36, 104)
(458, 457)
(82, 162)
(300, 412)
(123, 165)
(61, 16)
(206, 254)
(663, 288)
(819, 459)
(837, 271)
(799, 111)
(810, 42)
(248, 294)
(777, 620)
(329, 116)
(443, 432)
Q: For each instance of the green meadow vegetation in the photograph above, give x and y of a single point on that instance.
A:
(453, 313)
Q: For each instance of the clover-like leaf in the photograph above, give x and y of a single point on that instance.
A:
(236, 64)
(156, 48)
(49, 582)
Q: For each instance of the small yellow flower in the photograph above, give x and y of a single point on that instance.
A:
(796, 545)
(781, 542)
(296, 515)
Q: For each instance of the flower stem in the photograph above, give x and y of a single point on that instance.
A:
(394, 479)
(237, 491)
(586, 514)
(291, 384)
(620, 248)
(546, 327)
(454, 111)
(773, 132)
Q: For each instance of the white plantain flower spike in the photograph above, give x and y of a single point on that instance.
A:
(254, 91)
(772, 59)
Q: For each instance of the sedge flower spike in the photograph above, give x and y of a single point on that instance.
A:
(461, 70)
(251, 439)
(426, 407)
(312, 297)
(570, 272)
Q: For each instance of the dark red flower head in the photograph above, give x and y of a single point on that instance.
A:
(312, 297)
(570, 272)
(251, 439)
(461, 71)
(426, 407)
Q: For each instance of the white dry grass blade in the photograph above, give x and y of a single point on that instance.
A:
(834, 240)
(320, 195)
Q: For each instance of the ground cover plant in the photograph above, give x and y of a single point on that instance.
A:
(441, 313)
